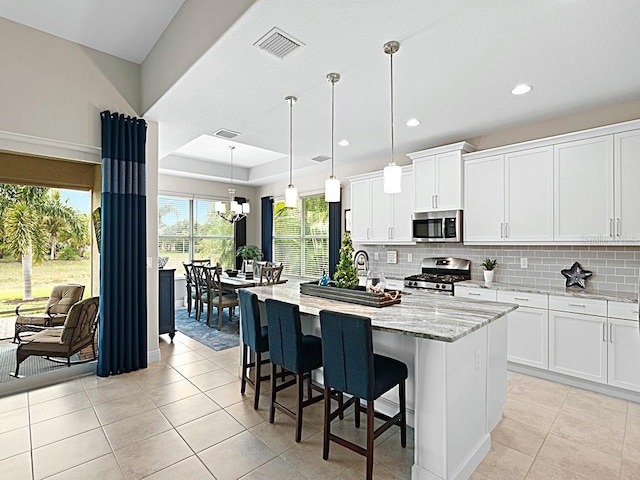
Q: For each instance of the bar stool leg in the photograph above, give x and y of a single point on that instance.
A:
(272, 407)
(356, 405)
(243, 385)
(327, 422)
(340, 405)
(258, 357)
(370, 439)
(403, 413)
(300, 385)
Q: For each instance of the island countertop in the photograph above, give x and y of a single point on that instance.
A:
(425, 315)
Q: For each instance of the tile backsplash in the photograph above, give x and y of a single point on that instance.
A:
(614, 268)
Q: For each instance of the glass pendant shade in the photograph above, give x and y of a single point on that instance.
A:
(220, 207)
(235, 207)
(246, 208)
(332, 190)
(291, 197)
(392, 178)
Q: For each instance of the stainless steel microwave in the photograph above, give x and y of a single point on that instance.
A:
(444, 226)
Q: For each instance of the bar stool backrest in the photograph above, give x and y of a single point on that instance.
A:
(250, 318)
(285, 334)
(347, 352)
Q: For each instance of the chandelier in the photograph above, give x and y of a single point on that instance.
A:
(232, 211)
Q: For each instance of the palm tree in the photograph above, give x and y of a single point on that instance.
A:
(60, 218)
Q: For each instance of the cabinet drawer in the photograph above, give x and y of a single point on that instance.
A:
(626, 311)
(533, 300)
(587, 306)
(476, 293)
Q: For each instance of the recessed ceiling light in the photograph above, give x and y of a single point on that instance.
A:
(413, 122)
(521, 89)
(344, 143)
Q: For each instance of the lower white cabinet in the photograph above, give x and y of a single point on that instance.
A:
(475, 293)
(624, 354)
(528, 335)
(578, 345)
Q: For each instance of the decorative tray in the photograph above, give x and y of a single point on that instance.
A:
(359, 296)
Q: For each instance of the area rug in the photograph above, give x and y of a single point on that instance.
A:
(31, 366)
(228, 337)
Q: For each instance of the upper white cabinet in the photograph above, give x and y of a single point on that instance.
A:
(378, 217)
(484, 199)
(583, 190)
(438, 177)
(626, 169)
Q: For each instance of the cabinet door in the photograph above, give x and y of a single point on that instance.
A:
(402, 228)
(484, 199)
(424, 173)
(381, 212)
(627, 186)
(360, 210)
(449, 181)
(583, 190)
(528, 337)
(578, 345)
(624, 354)
(475, 293)
(529, 195)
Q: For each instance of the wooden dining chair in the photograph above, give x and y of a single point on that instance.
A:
(270, 275)
(204, 261)
(192, 293)
(216, 296)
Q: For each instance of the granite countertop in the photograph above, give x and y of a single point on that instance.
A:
(425, 315)
(566, 292)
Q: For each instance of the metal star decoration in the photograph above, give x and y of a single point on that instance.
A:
(576, 276)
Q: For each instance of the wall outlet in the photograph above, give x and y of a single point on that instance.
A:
(409, 257)
(524, 263)
(392, 256)
(375, 256)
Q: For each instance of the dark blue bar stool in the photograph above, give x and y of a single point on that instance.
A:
(351, 367)
(254, 339)
(294, 352)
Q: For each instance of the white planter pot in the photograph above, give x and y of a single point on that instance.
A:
(488, 277)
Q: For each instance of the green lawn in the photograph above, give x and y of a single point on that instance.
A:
(44, 276)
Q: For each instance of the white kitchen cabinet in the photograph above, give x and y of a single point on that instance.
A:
(624, 354)
(622, 310)
(402, 209)
(360, 210)
(578, 345)
(484, 199)
(583, 190)
(381, 211)
(627, 191)
(475, 293)
(438, 177)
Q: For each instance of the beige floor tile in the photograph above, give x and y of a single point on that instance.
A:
(17, 467)
(189, 409)
(276, 468)
(630, 470)
(227, 394)
(247, 452)
(13, 402)
(57, 457)
(102, 468)
(194, 369)
(633, 424)
(346, 429)
(62, 427)
(513, 379)
(170, 349)
(14, 442)
(390, 455)
(519, 436)
(280, 435)
(601, 416)
(244, 413)
(546, 471)
(572, 427)
(134, 429)
(60, 406)
(209, 430)
(581, 399)
(478, 476)
(631, 447)
(584, 461)
(634, 409)
(191, 468)
(503, 463)
(124, 407)
(14, 419)
(537, 417)
(214, 379)
(110, 392)
(172, 393)
(306, 457)
(55, 391)
(94, 381)
(358, 472)
(540, 392)
(152, 455)
(184, 358)
(159, 378)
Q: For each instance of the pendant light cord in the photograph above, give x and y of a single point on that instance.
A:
(392, 139)
(333, 117)
(290, 142)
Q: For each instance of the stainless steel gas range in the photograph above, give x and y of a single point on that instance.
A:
(439, 274)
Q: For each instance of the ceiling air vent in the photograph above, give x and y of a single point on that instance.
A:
(278, 43)
(224, 133)
(321, 158)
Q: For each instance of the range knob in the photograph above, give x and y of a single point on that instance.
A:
(438, 285)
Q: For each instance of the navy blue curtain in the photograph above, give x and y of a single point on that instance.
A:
(122, 336)
(267, 228)
(335, 235)
(239, 234)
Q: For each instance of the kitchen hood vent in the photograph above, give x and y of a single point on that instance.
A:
(224, 133)
(278, 43)
(321, 158)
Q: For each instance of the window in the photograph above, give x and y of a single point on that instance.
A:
(190, 228)
(301, 237)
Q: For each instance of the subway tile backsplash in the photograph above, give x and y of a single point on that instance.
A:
(614, 268)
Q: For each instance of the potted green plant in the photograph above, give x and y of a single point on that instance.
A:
(489, 266)
(249, 254)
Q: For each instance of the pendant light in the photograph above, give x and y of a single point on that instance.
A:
(392, 173)
(233, 211)
(332, 184)
(291, 193)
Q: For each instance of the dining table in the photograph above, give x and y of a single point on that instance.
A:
(240, 281)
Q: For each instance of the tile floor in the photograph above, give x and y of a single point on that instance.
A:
(185, 418)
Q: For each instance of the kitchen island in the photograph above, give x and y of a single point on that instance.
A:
(456, 352)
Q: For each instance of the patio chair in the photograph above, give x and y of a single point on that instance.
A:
(78, 332)
(55, 313)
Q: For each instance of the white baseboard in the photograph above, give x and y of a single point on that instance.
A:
(153, 356)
